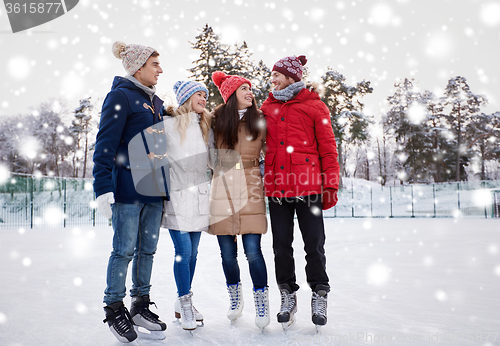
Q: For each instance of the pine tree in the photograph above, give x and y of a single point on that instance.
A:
(486, 132)
(440, 150)
(80, 129)
(233, 60)
(214, 56)
(349, 123)
(261, 82)
(51, 132)
(405, 118)
(464, 105)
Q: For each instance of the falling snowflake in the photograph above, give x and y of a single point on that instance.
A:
(81, 308)
(4, 173)
(53, 215)
(378, 274)
(19, 67)
(490, 14)
(26, 261)
(315, 210)
(441, 295)
(381, 15)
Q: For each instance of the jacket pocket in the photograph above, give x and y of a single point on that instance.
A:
(269, 158)
(269, 172)
(306, 168)
(203, 199)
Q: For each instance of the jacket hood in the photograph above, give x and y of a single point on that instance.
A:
(317, 88)
(122, 82)
(169, 110)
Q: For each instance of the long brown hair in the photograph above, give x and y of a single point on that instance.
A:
(226, 121)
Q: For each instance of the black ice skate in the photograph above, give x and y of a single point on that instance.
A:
(146, 323)
(286, 316)
(120, 322)
(319, 306)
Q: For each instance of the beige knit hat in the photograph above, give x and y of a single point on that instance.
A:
(133, 56)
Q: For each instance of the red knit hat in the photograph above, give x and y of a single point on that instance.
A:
(291, 66)
(227, 84)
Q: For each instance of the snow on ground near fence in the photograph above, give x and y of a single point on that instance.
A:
(419, 281)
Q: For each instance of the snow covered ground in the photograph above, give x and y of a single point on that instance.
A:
(394, 281)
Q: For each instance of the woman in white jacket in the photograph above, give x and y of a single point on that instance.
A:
(187, 129)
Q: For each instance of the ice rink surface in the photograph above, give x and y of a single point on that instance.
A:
(394, 281)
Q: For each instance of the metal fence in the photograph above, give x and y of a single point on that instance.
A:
(456, 200)
(29, 202)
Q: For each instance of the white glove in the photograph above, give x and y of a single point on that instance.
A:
(104, 204)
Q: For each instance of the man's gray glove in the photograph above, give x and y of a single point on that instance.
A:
(104, 204)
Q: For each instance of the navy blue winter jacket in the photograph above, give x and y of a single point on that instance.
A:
(126, 112)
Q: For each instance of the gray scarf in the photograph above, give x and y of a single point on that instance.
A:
(148, 90)
(289, 92)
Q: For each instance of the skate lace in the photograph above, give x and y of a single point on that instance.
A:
(148, 314)
(287, 301)
(261, 303)
(122, 320)
(233, 295)
(187, 308)
(319, 305)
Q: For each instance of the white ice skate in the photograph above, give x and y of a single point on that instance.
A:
(188, 320)
(177, 312)
(261, 299)
(235, 302)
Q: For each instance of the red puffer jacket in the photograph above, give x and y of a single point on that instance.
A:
(301, 152)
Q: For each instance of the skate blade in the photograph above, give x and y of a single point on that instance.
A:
(286, 325)
(143, 333)
(200, 323)
(318, 329)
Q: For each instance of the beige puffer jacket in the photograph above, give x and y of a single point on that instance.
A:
(237, 203)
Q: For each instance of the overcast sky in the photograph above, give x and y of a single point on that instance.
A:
(381, 41)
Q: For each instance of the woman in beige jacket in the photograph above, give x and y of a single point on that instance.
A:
(237, 204)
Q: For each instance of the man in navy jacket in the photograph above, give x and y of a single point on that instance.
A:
(131, 109)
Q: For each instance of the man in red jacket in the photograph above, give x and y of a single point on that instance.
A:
(301, 176)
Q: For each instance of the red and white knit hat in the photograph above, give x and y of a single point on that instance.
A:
(227, 84)
(133, 56)
(291, 66)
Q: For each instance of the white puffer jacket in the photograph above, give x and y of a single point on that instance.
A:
(188, 207)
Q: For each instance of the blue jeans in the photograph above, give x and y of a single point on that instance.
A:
(229, 253)
(186, 251)
(136, 230)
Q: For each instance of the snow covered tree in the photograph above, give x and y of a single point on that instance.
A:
(235, 60)
(261, 82)
(349, 123)
(13, 133)
(485, 129)
(214, 56)
(405, 118)
(464, 106)
(440, 151)
(383, 155)
(52, 135)
(80, 128)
